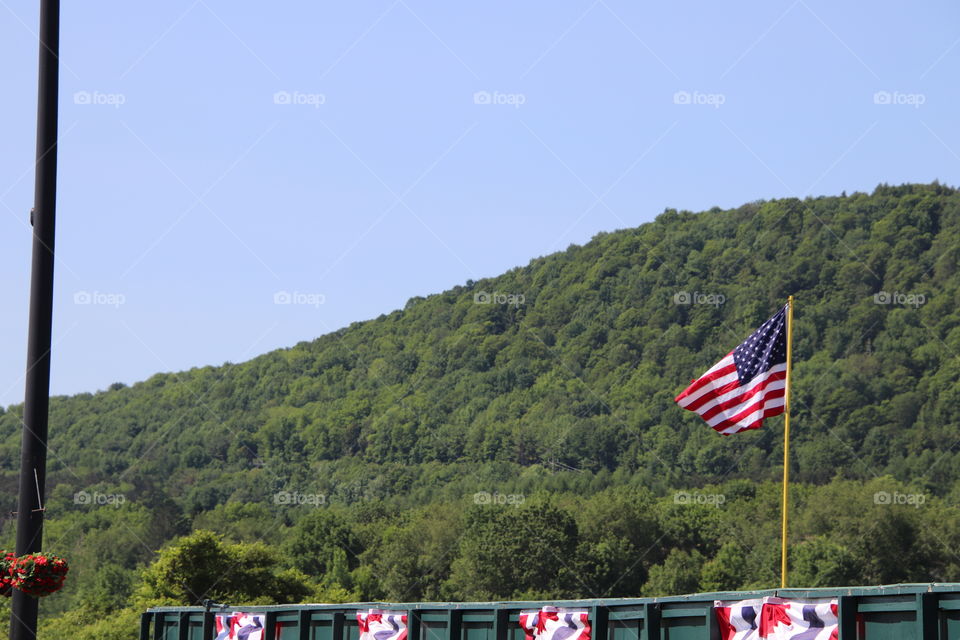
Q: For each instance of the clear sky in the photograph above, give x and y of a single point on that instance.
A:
(215, 154)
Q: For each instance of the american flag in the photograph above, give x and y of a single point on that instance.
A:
(747, 385)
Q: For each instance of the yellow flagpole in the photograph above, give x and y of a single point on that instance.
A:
(786, 448)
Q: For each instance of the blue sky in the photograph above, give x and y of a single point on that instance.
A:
(217, 157)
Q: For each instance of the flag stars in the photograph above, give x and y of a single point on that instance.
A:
(765, 348)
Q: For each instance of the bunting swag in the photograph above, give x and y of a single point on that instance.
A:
(378, 624)
(777, 619)
(739, 620)
(240, 626)
(553, 623)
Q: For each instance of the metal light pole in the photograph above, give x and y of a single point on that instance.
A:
(33, 451)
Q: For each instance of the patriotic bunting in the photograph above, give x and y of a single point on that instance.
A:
(777, 619)
(739, 620)
(241, 626)
(553, 623)
(377, 624)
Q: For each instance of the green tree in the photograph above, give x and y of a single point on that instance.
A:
(727, 570)
(201, 566)
(512, 551)
(679, 574)
(820, 562)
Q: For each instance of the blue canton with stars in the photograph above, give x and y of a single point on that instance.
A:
(764, 349)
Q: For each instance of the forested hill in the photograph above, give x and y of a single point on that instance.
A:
(420, 454)
(572, 361)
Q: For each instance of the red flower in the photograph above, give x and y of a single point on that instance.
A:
(36, 574)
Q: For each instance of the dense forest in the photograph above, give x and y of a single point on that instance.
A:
(517, 437)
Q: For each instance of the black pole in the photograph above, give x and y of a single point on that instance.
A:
(33, 451)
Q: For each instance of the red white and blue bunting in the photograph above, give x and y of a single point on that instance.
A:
(377, 624)
(241, 626)
(554, 623)
(777, 619)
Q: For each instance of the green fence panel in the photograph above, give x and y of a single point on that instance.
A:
(889, 617)
(900, 612)
(478, 625)
(686, 621)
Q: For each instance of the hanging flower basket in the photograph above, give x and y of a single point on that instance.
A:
(38, 574)
(7, 559)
